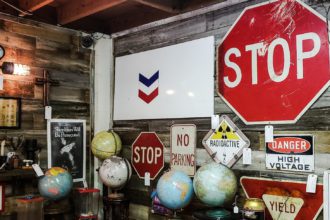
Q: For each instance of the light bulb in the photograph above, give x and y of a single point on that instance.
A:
(15, 69)
(21, 70)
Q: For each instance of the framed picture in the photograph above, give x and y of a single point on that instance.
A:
(10, 112)
(66, 141)
(2, 198)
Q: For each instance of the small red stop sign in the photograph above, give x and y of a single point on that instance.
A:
(147, 154)
(274, 62)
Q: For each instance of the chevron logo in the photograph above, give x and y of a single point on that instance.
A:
(148, 90)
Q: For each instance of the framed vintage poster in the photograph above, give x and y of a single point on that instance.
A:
(66, 141)
(10, 112)
(2, 198)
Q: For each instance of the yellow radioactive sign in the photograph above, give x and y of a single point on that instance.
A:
(225, 144)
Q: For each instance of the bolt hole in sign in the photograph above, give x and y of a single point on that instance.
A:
(183, 147)
(274, 62)
(147, 155)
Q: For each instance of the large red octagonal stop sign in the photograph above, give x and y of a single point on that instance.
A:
(274, 62)
(147, 155)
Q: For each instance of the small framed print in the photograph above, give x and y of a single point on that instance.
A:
(10, 112)
(66, 141)
(2, 198)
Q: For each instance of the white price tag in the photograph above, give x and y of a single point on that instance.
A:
(269, 133)
(48, 112)
(1, 82)
(147, 179)
(215, 121)
(37, 169)
(247, 156)
(311, 183)
(236, 210)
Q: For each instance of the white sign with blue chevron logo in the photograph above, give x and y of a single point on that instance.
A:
(170, 82)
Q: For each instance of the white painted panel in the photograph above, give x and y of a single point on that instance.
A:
(185, 82)
(326, 195)
(102, 86)
(103, 94)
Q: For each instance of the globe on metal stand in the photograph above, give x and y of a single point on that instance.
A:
(215, 185)
(175, 190)
(55, 186)
(106, 144)
(115, 172)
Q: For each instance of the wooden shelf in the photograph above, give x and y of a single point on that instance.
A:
(17, 174)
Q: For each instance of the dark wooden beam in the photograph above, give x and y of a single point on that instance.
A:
(76, 9)
(33, 5)
(158, 6)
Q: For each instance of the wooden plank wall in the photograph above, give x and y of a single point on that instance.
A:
(315, 121)
(57, 50)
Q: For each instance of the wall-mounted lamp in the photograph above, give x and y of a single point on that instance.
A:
(15, 69)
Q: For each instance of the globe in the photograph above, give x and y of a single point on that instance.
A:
(55, 184)
(175, 189)
(115, 172)
(215, 184)
(106, 144)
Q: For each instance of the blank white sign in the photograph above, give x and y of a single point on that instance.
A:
(183, 87)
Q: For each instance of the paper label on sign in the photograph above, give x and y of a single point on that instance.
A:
(1, 82)
(38, 170)
(269, 133)
(147, 179)
(236, 210)
(48, 112)
(311, 183)
(215, 121)
(282, 207)
(247, 156)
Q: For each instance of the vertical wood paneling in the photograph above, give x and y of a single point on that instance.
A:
(57, 50)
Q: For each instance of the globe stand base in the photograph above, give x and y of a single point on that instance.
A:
(213, 214)
(116, 196)
(56, 208)
(174, 217)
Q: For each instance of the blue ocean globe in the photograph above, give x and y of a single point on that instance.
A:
(175, 189)
(215, 184)
(56, 184)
